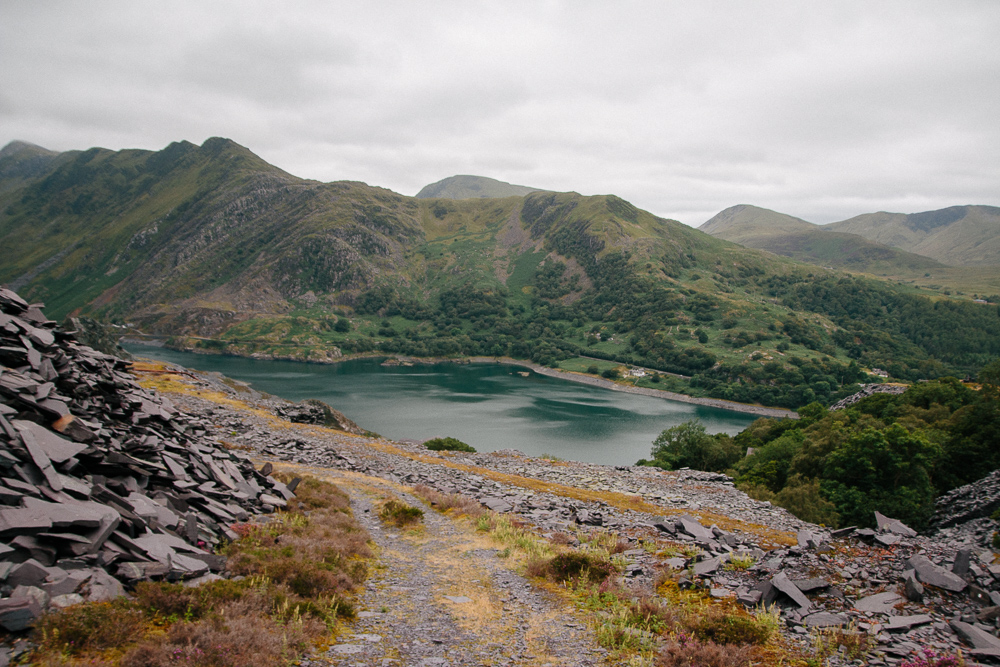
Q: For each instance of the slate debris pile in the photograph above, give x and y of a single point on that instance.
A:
(102, 483)
(977, 500)
(869, 390)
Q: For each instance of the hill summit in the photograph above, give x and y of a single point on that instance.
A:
(473, 187)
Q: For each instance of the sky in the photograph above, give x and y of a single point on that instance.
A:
(818, 110)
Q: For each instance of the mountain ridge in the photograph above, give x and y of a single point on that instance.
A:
(967, 235)
(218, 249)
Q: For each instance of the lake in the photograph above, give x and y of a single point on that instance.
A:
(489, 406)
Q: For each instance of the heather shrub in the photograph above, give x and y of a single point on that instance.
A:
(930, 658)
(722, 626)
(90, 627)
(237, 641)
(572, 566)
(685, 651)
(399, 514)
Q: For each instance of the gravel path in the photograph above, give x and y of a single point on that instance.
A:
(441, 595)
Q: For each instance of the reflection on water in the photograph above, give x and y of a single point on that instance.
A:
(489, 406)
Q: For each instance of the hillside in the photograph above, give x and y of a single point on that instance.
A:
(219, 250)
(958, 235)
(787, 236)
(473, 187)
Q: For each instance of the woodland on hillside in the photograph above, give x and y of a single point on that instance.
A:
(889, 453)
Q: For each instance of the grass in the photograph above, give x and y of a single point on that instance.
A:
(854, 644)
(300, 570)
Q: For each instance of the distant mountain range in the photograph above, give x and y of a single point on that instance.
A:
(473, 187)
(212, 242)
(954, 236)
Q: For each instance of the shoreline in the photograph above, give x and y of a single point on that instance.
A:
(718, 403)
(759, 410)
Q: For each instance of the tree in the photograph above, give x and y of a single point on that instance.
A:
(689, 445)
(881, 470)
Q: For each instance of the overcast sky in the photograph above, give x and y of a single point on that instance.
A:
(820, 110)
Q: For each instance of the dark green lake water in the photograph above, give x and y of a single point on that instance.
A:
(489, 406)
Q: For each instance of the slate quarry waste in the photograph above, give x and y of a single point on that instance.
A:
(102, 483)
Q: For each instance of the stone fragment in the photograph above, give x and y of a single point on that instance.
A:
(963, 559)
(695, 529)
(28, 573)
(912, 588)
(66, 600)
(906, 622)
(18, 614)
(103, 587)
(707, 567)
(807, 585)
(824, 619)
(56, 448)
(979, 639)
(935, 575)
(884, 523)
(781, 582)
(880, 603)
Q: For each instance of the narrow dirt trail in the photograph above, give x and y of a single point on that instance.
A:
(442, 595)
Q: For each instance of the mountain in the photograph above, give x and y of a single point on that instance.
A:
(220, 251)
(744, 222)
(957, 235)
(788, 236)
(473, 187)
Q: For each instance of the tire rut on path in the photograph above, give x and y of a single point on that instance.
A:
(441, 595)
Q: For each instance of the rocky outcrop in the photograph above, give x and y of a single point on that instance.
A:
(102, 483)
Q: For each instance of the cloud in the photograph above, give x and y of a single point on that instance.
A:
(821, 111)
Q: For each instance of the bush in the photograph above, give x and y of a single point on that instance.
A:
(610, 374)
(399, 513)
(574, 566)
(593, 370)
(449, 445)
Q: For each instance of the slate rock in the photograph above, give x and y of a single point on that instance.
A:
(929, 573)
(979, 639)
(907, 622)
(880, 603)
(963, 559)
(912, 588)
(19, 614)
(695, 529)
(782, 583)
(824, 619)
(886, 524)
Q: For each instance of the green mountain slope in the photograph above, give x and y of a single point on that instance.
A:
(785, 235)
(473, 187)
(958, 235)
(227, 253)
